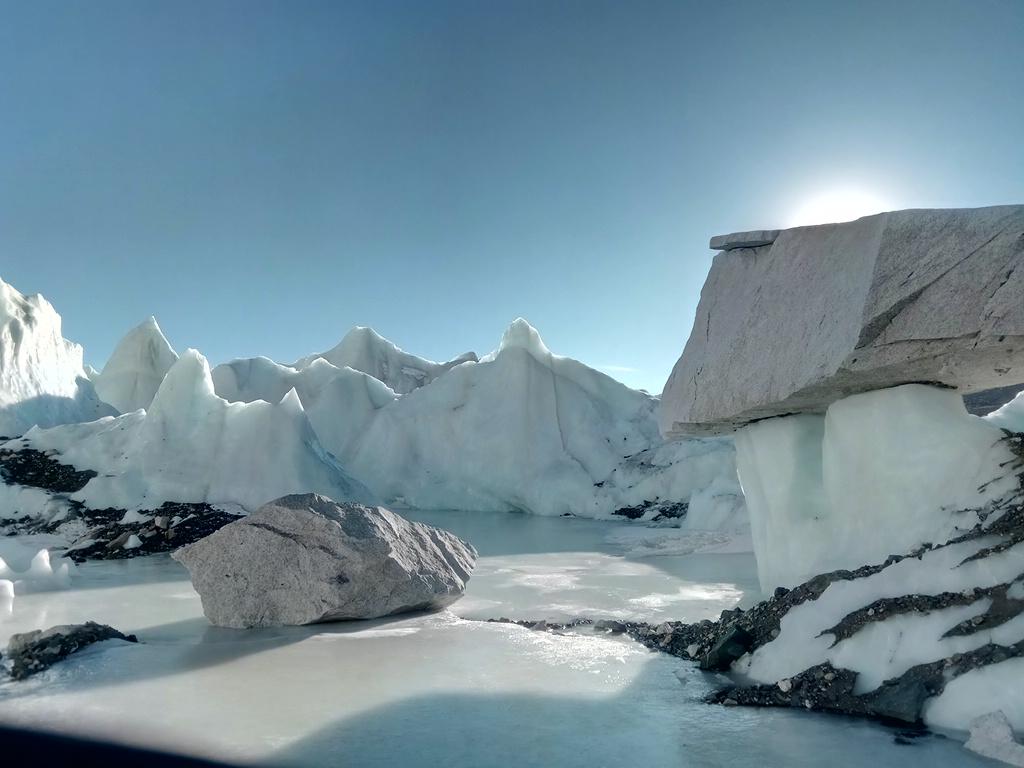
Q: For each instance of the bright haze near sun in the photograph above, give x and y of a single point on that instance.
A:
(837, 205)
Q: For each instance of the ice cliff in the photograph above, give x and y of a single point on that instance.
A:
(42, 379)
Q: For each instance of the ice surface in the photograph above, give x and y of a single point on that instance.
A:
(438, 689)
(42, 379)
(881, 473)
(193, 446)
(132, 375)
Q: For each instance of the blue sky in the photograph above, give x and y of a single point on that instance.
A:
(262, 176)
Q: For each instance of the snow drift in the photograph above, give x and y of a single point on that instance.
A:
(42, 379)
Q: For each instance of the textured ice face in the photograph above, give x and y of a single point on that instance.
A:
(133, 374)
(42, 379)
(881, 473)
(193, 446)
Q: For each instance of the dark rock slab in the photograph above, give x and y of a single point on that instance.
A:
(32, 652)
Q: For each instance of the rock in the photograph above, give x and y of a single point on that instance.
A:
(909, 296)
(32, 652)
(730, 647)
(304, 558)
(753, 239)
(992, 736)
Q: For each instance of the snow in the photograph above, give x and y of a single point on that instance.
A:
(363, 349)
(450, 690)
(193, 446)
(42, 379)
(881, 473)
(132, 375)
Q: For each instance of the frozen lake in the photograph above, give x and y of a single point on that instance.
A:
(440, 689)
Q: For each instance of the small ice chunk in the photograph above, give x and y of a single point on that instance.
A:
(992, 736)
(134, 542)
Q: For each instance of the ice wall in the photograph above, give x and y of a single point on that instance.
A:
(880, 473)
(42, 379)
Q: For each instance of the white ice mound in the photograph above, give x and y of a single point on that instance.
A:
(882, 472)
(193, 446)
(363, 349)
(133, 374)
(42, 379)
(30, 569)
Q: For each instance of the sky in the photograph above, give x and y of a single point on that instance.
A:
(263, 176)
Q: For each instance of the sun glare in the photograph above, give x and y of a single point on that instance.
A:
(837, 205)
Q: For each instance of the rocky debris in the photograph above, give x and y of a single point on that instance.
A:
(304, 558)
(172, 525)
(918, 296)
(730, 646)
(992, 736)
(32, 652)
(825, 688)
(100, 534)
(662, 510)
(27, 466)
(1001, 609)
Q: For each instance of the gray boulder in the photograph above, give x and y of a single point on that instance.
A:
(823, 312)
(304, 559)
(32, 652)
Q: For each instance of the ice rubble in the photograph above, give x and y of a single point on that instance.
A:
(25, 568)
(363, 349)
(520, 430)
(193, 446)
(42, 379)
(881, 473)
(132, 375)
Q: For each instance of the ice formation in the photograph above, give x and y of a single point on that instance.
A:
(193, 446)
(132, 375)
(25, 568)
(520, 430)
(363, 349)
(42, 379)
(881, 473)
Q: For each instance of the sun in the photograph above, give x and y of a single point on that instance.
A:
(837, 205)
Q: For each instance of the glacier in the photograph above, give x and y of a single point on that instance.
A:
(42, 377)
(521, 429)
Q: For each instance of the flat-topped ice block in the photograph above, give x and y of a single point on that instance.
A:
(823, 312)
